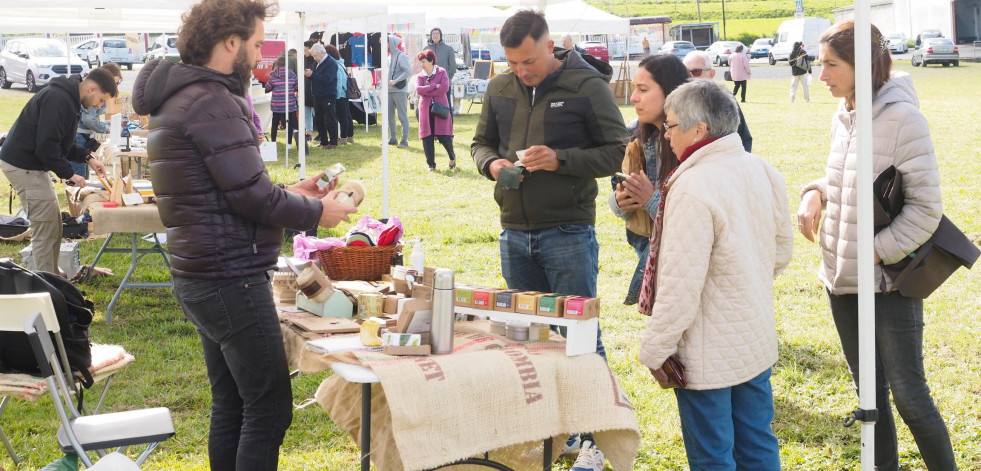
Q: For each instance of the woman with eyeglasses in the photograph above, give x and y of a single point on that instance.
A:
(901, 138)
(648, 157)
(721, 235)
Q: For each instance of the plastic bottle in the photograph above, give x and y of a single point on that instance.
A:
(418, 258)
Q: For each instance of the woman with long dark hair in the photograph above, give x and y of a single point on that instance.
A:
(648, 157)
(901, 138)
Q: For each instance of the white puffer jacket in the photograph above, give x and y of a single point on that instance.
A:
(726, 234)
(901, 137)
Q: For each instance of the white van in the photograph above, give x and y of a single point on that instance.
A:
(807, 30)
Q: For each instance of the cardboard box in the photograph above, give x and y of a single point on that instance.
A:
(428, 275)
(485, 298)
(551, 305)
(391, 303)
(581, 308)
(506, 300)
(414, 350)
(422, 292)
(463, 295)
(527, 302)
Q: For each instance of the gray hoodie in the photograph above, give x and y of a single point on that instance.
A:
(398, 66)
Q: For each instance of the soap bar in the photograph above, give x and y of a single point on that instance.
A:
(509, 177)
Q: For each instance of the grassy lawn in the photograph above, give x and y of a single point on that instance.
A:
(455, 215)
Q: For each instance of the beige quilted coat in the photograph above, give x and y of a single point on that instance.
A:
(901, 137)
(726, 235)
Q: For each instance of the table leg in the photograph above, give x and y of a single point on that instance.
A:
(547, 456)
(88, 273)
(159, 248)
(581, 337)
(365, 426)
(135, 255)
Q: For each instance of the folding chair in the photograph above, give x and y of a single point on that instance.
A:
(79, 434)
(17, 309)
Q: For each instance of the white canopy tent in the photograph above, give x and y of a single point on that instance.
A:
(576, 16)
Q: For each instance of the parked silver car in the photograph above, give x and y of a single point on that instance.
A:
(679, 48)
(164, 47)
(898, 43)
(720, 51)
(35, 61)
(936, 51)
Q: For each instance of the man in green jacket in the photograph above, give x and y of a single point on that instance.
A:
(558, 109)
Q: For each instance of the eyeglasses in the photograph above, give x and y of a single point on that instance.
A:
(667, 127)
(698, 72)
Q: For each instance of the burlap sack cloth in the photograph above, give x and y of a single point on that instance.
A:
(490, 394)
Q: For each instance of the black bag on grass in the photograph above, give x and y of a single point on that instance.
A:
(74, 316)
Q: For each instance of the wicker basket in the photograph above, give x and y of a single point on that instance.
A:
(357, 263)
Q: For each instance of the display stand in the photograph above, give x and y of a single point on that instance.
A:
(580, 335)
(622, 84)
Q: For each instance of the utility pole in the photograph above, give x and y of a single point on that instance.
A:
(698, 4)
(725, 37)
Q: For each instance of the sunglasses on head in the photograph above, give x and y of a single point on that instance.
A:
(698, 72)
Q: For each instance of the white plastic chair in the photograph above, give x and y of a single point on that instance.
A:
(80, 434)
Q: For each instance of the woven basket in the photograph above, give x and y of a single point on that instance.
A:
(357, 263)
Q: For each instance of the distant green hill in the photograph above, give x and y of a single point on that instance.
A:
(746, 20)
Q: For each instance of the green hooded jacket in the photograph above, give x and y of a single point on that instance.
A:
(574, 113)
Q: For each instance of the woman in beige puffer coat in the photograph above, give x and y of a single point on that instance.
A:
(901, 138)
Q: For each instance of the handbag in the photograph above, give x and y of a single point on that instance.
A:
(727, 75)
(921, 272)
(675, 372)
(439, 110)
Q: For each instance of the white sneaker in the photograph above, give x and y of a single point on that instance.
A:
(590, 458)
(572, 447)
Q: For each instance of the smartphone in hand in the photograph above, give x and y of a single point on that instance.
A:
(621, 177)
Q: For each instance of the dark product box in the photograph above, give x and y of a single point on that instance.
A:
(506, 300)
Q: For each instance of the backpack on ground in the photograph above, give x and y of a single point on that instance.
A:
(74, 314)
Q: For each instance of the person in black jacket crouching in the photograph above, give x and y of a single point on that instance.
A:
(225, 221)
(42, 140)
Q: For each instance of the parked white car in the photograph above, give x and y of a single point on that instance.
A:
(898, 43)
(35, 61)
(98, 51)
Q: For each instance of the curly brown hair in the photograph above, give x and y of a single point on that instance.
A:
(213, 21)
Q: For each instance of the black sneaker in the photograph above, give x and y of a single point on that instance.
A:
(392, 142)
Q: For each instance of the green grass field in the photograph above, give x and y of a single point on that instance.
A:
(454, 214)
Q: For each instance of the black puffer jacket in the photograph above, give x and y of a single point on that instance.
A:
(224, 216)
(43, 136)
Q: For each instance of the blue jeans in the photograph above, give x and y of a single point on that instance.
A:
(729, 428)
(641, 245)
(80, 168)
(898, 368)
(252, 401)
(562, 259)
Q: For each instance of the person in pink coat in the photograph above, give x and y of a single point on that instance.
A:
(739, 68)
(432, 84)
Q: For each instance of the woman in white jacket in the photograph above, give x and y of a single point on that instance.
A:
(721, 234)
(901, 138)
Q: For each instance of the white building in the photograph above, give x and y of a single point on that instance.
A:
(956, 19)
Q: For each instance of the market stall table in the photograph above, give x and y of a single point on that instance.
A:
(132, 220)
(489, 394)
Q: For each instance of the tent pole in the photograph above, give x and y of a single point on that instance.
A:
(866, 282)
(301, 151)
(385, 73)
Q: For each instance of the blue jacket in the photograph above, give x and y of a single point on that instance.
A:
(341, 80)
(324, 79)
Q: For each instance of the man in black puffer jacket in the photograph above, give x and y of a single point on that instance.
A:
(224, 221)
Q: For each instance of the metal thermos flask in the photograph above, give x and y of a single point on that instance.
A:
(441, 335)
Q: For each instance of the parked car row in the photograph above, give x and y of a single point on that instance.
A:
(35, 61)
(936, 51)
(98, 51)
(164, 47)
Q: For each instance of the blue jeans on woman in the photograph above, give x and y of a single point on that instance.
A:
(80, 168)
(562, 259)
(641, 245)
(729, 428)
(898, 368)
(252, 401)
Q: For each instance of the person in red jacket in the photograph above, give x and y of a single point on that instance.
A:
(225, 221)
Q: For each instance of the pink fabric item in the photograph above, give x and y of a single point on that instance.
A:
(255, 116)
(306, 247)
(739, 66)
(431, 88)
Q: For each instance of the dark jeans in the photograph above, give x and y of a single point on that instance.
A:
(252, 402)
(326, 120)
(278, 118)
(429, 144)
(735, 89)
(343, 110)
(898, 368)
(562, 259)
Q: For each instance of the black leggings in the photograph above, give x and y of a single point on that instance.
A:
(735, 89)
(429, 144)
(281, 118)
